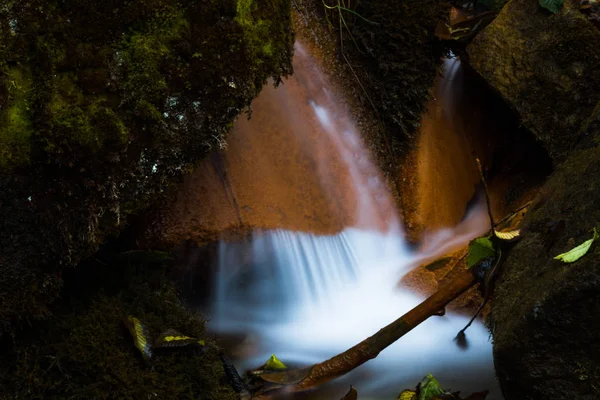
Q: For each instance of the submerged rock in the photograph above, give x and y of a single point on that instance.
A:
(546, 67)
(102, 106)
(544, 315)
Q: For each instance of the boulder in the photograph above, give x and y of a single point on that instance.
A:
(546, 67)
(544, 316)
(102, 106)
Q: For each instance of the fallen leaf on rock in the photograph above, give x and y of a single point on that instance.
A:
(139, 332)
(407, 395)
(429, 388)
(578, 252)
(274, 364)
(508, 235)
(173, 338)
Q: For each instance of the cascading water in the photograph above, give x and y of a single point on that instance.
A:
(307, 297)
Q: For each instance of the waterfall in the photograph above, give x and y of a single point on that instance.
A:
(307, 296)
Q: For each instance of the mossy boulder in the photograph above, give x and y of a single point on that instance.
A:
(86, 352)
(546, 67)
(395, 55)
(544, 316)
(102, 105)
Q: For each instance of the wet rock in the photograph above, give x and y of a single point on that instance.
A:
(546, 67)
(544, 316)
(467, 119)
(288, 167)
(428, 278)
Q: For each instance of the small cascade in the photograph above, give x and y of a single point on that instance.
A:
(292, 273)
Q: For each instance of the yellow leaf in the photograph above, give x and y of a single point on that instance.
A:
(407, 395)
(173, 338)
(577, 252)
(508, 235)
(140, 335)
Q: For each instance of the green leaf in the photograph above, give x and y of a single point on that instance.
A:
(274, 363)
(479, 249)
(552, 5)
(578, 252)
(429, 388)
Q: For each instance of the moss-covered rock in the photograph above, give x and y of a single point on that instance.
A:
(398, 56)
(545, 66)
(102, 105)
(544, 316)
(86, 352)
(389, 62)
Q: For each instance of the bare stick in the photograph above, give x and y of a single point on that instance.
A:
(307, 378)
(487, 196)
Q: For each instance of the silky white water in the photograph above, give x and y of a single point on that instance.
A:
(308, 297)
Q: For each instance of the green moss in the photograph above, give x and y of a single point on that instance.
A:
(107, 123)
(257, 30)
(15, 122)
(540, 304)
(121, 100)
(85, 352)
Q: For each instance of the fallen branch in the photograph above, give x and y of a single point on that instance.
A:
(306, 378)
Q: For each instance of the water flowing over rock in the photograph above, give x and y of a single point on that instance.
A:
(297, 164)
(307, 289)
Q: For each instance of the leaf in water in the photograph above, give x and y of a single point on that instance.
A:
(274, 364)
(407, 395)
(479, 249)
(552, 5)
(508, 235)
(429, 388)
(351, 395)
(578, 252)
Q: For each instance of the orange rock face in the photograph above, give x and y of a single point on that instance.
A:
(297, 164)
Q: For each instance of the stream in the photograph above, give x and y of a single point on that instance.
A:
(307, 295)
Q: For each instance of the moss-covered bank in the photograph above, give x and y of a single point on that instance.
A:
(85, 351)
(102, 105)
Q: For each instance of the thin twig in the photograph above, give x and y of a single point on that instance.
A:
(487, 196)
(524, 206)
(350, 11)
